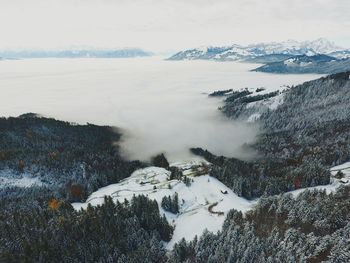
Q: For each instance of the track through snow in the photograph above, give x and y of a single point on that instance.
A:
(194, 200)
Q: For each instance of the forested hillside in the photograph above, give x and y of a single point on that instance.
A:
(53, 232)
(300, 138)
(68, 160)
(313, 227)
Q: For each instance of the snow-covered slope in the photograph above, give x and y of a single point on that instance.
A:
(249, 108)
(342, 54)
(274, 51)
(259, 107)
(194, 200)
(318, 46)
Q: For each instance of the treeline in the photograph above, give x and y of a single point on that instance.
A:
(313, 227)
(237, 95)
(220, 93)
(54, 232)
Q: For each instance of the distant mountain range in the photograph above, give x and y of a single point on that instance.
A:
(321, 64)
(76, 53)
(318, 56)
(264, 52)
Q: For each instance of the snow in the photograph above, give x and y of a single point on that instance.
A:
(289, 47)
(254, 117)
(304, 64)
(318, 46)
(330, 188)
(274, 102)
(9, 178)
(344, 54)
(260, 106)
(345, 168)
(310, 53)
(189, 164)
(271, 103)
(293, 62)
(335, 183)
(233, 52)
(236, 51)
(323, 46)
(194, 200)
(203, 49)
(233, 57)
(289, 61)
(344, 180)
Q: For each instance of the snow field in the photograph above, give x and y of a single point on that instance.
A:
(194, 200)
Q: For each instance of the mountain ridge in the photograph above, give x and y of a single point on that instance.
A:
(250, 52)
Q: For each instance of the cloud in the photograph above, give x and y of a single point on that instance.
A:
(162, 24)
(159, 104)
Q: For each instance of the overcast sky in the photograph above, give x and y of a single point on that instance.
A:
(161, 25)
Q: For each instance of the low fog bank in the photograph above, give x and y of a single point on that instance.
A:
(160, 105)
(175, 135)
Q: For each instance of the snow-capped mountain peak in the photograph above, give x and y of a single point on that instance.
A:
(323, 46)
(279, 49)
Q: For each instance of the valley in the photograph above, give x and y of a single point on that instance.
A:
(188, 131)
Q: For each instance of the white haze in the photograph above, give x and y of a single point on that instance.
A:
(161, 106)
(160, 25)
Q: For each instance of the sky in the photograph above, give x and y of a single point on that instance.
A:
(169, 25)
